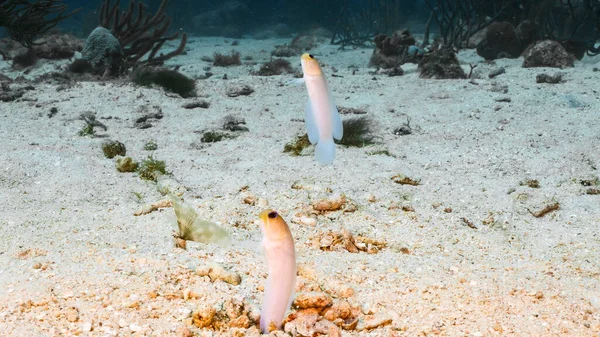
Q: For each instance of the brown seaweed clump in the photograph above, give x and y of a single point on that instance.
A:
(168, 79)
(358, 132)
(296, 147)
(223, 60)
(441, 64)
(275, 67)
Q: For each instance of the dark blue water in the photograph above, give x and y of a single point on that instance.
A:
(245, 17)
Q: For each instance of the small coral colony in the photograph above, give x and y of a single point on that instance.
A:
(129, 44)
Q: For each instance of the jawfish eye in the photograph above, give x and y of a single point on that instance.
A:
(272, 215)
(311, 56)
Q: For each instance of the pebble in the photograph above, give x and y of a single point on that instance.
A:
(308, 221)
(346, 291)
(134, 327)
(183, 331)
(263, 203)
(217, 272)
(86, 327)
(373, 322)
(329, 205)
(317, 300)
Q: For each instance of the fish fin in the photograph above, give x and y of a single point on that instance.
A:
(295, 81)
(311, 124)
(337, 128)
(184, 214)
(325, 151)
(194, 229)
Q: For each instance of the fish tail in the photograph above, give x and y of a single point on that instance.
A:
(325, 151)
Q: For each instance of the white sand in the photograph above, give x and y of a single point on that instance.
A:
(75, 261)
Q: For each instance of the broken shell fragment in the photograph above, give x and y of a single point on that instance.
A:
(405, 180)
(330, 205)
(375, 321)
(316, 300)
(217, 272)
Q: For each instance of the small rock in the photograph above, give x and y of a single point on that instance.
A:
(217, 272)
(547, 53)
(307, 323)
(250, 200)
(496, 72)
(72, 314)
(53, 112)
(351, 111)
(329, 205)
(340, 309)
(348, 241)
(149, 115)
(196, 104)
(234, 123)
(236, 310)
(392, 72)
(316, 300)
(346, 291)
(545, 78)
(86, 327)
(203, 316)
(113, 148)
(376, 321)
(306, 220)
(263, 203)
(403, 130)
(242, 90)
(183, 331)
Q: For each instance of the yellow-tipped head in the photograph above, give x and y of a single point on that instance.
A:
(310, 66)
(273, 225)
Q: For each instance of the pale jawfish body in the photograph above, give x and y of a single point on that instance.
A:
(281, 260)
(323, 122)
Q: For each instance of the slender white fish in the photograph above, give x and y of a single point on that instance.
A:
(281, 260)
(323, 122)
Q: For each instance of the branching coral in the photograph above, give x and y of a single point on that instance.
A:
(574, 23)
(24, 20)
(357, 26)
(459, 20)
(142, 33)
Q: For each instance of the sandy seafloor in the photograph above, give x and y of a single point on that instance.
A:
(74, 260)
